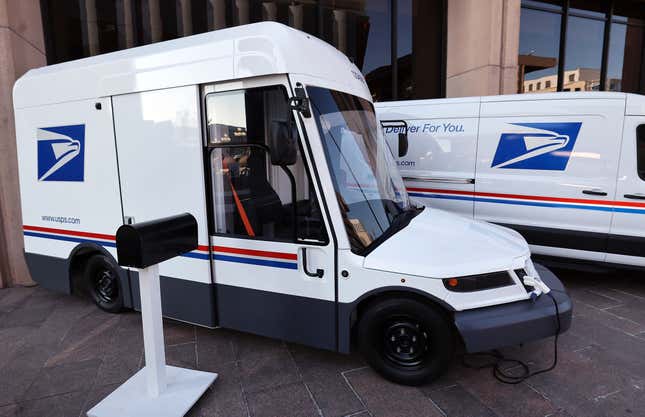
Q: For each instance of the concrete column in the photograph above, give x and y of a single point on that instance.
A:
(269, 11)
(152, 21)
(296, 16)
(184, 18)
(90, 27)
(21, 47)
(340, 30)
(483, 47)
(217, 14)
(125, 25)
(242, 7)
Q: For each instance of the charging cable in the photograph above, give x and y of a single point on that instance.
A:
(498, 359)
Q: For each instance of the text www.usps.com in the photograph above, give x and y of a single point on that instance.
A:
(61, 219)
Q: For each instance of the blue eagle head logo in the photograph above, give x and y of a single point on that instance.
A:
(541, 146)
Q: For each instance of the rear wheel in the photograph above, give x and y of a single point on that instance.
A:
(102, 279)
(405, 340)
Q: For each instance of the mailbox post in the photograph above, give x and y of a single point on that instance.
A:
(158, 389)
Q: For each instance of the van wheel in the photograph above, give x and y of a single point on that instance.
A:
(406, 341)
(102, 280)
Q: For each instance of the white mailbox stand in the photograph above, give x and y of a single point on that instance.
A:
(157, 390)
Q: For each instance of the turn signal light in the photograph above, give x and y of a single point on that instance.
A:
(479, 282)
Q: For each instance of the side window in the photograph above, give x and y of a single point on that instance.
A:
(256, 194)
(640, 151)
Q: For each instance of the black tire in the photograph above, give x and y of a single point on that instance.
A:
(101, 278)
(405, 340)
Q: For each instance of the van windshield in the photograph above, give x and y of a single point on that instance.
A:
(368, 186)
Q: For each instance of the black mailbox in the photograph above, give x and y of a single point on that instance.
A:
(141, 245)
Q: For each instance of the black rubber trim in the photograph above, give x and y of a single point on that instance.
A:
(574, 239)
(181, 299)
(561, 238)
(308, 321)
(518, 322)
(626, 245)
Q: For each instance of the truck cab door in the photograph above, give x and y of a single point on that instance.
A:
(439, 166)
(273, 262)
(627, 235)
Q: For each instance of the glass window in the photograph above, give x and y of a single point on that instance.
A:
(584, 53)
(552, 5)
(420, 46)
(627, 42)
(253, 198)
(369, 188)
(539, 46)
(640, 151)
(361, 30)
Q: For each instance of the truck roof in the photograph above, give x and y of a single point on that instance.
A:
(635, 103)
(239, 52)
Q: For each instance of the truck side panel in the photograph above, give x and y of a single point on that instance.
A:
(68, 184)
(439, 167)
(548, 168)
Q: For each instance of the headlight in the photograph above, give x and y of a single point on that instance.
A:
(479, 282)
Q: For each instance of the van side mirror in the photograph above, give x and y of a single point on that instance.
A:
(400, 127)
(283, 143)
(403, 144)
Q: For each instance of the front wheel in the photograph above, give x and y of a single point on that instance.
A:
(102, 280)
(405, 340)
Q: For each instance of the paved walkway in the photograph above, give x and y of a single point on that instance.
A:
(59, 355)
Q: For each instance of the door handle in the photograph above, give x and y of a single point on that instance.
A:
(594, 192)
(319, 272)
(636, 196)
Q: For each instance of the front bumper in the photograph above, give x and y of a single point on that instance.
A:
(515, 323)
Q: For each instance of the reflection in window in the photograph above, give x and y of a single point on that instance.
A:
(583, 53)
(625, 62)
(361, 30)
(539, 47)
(419, 49)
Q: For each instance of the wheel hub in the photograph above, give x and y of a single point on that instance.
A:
(406, 342)
(106, 285)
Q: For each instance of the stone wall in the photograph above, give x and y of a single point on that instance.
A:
(482, 47)
(21, 48)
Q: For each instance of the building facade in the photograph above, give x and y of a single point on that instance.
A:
(407, 49)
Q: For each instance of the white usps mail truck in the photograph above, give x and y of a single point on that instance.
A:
(566, 170)
(268, 137)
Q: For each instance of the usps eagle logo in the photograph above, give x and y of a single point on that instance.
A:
(542, 146)
(61, 152)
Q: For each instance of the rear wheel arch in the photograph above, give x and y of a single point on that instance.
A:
(78, 261)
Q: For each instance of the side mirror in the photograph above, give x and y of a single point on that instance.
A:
(400, 127)
(403, 144)
(283, 143)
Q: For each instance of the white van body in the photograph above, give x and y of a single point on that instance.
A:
(161, 130)
(560, 168)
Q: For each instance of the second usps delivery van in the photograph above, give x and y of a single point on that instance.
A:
(566, 170)
(306, 232)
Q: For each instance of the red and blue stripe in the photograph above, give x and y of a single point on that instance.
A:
(256, 257)
(220, 253)
(530, 200)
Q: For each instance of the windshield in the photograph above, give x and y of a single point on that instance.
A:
(368, 186)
